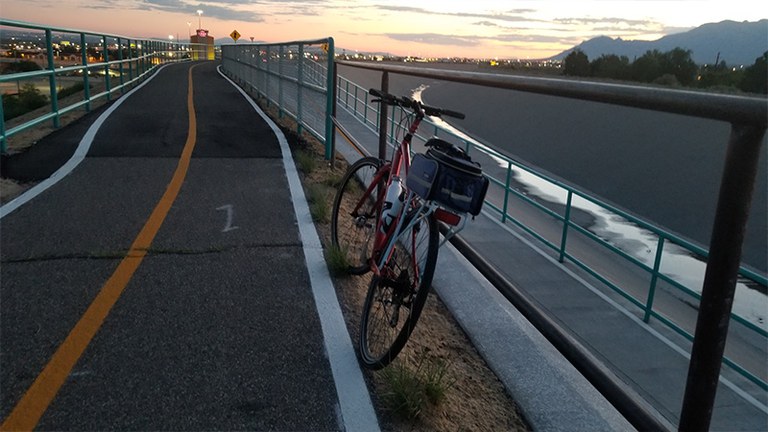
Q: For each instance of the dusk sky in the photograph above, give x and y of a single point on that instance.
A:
(480, 28)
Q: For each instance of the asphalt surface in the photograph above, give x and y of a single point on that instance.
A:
(217, 329)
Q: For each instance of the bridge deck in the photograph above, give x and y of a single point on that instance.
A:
(216, 328)
(218, 321)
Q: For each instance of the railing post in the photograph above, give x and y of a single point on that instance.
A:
(506, 192)
(257, 71)
(383, 117)
(2, 127)
(299, 85)
(105, 57)
(354, 107)
(280, 102)
(332, 81)
(120, 65)
(346, 95)
(736, 187)
(654, 280)
(52, 78)
(267, 74)
(566, 222)
(86, 73)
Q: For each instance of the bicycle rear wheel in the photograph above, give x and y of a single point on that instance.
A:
(396, 297)
(354, 231)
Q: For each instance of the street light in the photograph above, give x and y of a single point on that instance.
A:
(189, 26)
(199, 19)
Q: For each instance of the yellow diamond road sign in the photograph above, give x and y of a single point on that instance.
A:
(234, 35)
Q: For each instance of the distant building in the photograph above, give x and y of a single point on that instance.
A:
(202, 48)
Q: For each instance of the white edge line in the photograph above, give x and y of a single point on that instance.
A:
(354, 400)
(77, 157)
(728, 383)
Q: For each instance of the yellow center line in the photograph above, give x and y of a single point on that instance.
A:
(27, 413)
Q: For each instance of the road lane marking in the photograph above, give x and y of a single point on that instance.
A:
(230, 217)
(28, 411)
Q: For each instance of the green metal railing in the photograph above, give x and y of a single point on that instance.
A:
(104, 65)
(293, 76)
(357, 101)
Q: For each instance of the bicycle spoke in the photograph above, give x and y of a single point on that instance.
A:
(396, 297)
(355, 211)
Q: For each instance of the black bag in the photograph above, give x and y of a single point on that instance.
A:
(448, 175)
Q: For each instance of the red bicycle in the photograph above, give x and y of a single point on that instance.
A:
(384, 220)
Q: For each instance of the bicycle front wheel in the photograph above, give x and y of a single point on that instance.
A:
(396, 297)
(355, 212)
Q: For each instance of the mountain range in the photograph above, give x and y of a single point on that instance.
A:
(736, 43)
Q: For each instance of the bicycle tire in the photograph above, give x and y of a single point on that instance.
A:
(354, 234)
(383, 330)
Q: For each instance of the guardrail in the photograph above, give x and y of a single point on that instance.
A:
(94, 65)
(293, 76)
(748, 117)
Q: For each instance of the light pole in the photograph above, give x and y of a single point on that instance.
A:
(170, 51)
(189, 26)
(199, 19)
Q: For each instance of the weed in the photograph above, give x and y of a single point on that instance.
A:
(336, 258)
(405, 394)
(306, 161)
(318, 203)
(411, 386)
(436, 381)
(334, 179)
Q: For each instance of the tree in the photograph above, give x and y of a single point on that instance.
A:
(28, 99)
(21, 66)
(678, 62)
(648, 67)
(576, 64)
(755, 79)
(611, 66)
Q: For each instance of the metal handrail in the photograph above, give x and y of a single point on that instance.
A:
(351, 99)
(144, 55)
(748, 117)
(259, 67)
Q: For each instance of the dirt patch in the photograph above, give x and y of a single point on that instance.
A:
(475, 400)
(10, 189)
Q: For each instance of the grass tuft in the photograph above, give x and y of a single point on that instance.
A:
(410, 388)
(336, 258)
(405, 394)
(318, 203)
(305, 161)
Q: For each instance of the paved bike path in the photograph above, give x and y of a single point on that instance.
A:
(218, 328)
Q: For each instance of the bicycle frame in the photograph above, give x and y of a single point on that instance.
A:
(401, 162)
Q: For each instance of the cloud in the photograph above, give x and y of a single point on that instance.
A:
(515, 15)
(606, 20)
(435, 39)
(210, 10)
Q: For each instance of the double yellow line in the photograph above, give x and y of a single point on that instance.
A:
(28, 411)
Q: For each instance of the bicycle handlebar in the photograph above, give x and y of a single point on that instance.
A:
(415, 105)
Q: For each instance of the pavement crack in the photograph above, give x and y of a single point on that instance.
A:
(154, 251)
